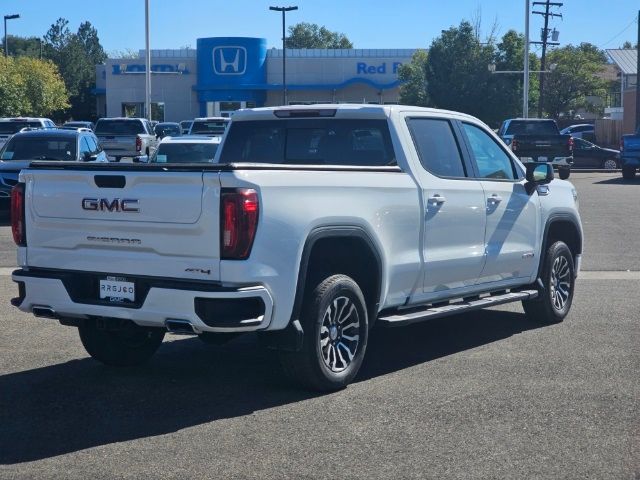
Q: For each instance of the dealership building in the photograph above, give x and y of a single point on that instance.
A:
(224, 74)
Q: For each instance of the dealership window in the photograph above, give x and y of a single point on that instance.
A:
(133, 109)
(157, 111)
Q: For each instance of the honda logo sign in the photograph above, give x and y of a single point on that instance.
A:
(229, 60)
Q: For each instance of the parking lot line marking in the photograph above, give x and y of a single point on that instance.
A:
(609, 275)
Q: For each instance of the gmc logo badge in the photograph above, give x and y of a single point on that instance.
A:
(106, 205)
(229, 60)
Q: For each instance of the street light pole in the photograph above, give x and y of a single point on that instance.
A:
(6, 46)
(525, 86)
(147, 84)
(284, 50)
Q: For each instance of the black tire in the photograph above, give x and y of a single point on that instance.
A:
(628, 173)
(545, 309)
(117, 159)
(310, 367)
(564, 173)
(123, 347)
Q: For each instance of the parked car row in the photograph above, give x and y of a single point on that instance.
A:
(535, 139)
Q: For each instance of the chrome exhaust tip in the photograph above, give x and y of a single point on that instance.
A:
(41, 311)
(180, 327)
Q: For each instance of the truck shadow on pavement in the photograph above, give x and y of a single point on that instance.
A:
(80, 404)
(618, 181)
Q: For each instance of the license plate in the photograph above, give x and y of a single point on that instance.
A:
(117, 289)
(543, 159)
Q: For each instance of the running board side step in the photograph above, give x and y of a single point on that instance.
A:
(415, 315)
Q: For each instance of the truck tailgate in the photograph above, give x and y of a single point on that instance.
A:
(138, 222)
(115, 144)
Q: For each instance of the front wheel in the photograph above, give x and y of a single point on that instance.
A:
(335, 324)
(564, 173)
(558, 280)
(628, 173)
(125, 346)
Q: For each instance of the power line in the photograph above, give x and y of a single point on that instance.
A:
(620, 33)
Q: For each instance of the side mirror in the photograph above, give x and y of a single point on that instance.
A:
(539, 173)
(89, 157)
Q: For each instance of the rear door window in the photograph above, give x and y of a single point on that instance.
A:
(330, 141)
(437, 147)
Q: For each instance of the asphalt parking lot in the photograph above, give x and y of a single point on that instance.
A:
(481, 395)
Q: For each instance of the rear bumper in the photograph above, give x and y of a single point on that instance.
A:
(556, 161)
(208, 307)
(629, 161)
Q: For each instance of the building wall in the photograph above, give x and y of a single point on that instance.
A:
(242, 69)
(172, 80)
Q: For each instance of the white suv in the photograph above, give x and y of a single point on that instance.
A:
(9, 126)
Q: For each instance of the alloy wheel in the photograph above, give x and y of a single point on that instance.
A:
(339, 334)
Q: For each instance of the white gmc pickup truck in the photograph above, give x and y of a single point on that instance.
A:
(313, 225)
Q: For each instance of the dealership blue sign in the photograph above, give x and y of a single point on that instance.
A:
(125, 68)
(380, 69)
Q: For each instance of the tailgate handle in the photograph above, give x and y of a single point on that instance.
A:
(110, 181)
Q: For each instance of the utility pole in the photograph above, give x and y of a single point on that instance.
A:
(545, 41)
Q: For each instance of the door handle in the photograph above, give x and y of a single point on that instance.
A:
(494, 199)
(437, 198)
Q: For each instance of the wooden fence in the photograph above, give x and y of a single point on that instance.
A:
(608, 132)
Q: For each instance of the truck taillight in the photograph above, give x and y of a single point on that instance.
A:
(570, 144)
(138, 144)
(514, 145)
(17, 215)
(239, 221)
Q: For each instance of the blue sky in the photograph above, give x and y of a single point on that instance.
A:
(368, 23)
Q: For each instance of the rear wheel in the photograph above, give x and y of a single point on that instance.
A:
(610, 164)
(558, 279)
(335, 324)
(564, 173)
(124, 346)
(628, 173)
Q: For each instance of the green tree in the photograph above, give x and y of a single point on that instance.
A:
(29, 86)
(413, 90)
(573, 78)
(457, 72)
(22, 46)
(44, 88)
(76, 55)
(13, 98)
(506, 89)
(311, 35)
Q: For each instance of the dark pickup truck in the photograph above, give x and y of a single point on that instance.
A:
(630, 154)
(539, 140)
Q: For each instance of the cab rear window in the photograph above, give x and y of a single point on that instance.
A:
(119, 127)
(328, 141)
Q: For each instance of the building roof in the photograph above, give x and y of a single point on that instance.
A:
(626, 59)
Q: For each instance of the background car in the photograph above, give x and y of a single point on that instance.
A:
(186, 149)
(61, 144)
(186, 125)
(9, 126)
(585, 131)
(589, 155)
(78, 124)
(211, 126)
(167, 129)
